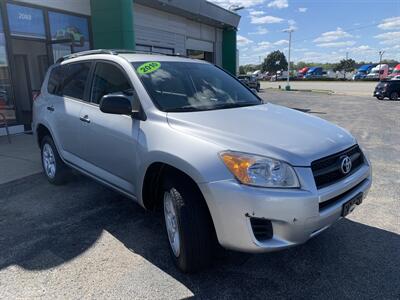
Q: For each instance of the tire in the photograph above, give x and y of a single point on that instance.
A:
(185, 209)
(394, 96)
(56, 171)
(380, 98)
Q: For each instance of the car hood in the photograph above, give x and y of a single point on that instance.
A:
(268, 129)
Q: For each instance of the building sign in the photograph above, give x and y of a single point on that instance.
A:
(26, 21)
(69, 27)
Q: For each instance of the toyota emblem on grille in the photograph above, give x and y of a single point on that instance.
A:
(345, 165)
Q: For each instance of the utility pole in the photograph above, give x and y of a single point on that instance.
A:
(380, 62)
(290, 45)
(347, 55)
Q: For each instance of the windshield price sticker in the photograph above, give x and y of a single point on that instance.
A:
(148, 67)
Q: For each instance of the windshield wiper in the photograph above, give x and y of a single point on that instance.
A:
(190, 108)
(236, 104)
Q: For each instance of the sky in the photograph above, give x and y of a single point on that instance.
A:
(324, 30)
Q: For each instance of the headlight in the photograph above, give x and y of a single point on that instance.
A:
(259, 170)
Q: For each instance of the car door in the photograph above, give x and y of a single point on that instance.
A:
(110, 141)
(67, 84)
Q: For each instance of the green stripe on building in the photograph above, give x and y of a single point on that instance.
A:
(229, 50)
(112, 24)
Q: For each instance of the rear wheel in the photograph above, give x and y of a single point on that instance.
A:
(394, 96)
(188, 225)
(54, 168)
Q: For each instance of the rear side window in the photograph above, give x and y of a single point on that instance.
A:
(75, 78)
(54, 85)
(108, 79)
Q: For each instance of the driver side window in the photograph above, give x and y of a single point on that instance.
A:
(107, 79)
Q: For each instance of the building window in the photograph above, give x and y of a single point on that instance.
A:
(163, 50)
(66, 31)
(199, 54)
(143, 48)
(7, 106)
(26, 21)
(154, 49)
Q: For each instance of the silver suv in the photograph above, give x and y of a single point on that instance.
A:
(186, 137)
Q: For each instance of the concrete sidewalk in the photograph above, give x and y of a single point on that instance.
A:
(20, 158)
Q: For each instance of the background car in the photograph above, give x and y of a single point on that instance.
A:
(389, 89)
(251, 81)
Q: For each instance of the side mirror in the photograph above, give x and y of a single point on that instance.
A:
(117, 104)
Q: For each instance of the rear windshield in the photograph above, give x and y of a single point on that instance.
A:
(191, 86)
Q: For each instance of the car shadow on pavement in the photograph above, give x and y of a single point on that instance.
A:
(43, 226)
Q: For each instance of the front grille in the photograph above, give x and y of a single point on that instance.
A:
(327, 170)
(262, 228)
(334, 200)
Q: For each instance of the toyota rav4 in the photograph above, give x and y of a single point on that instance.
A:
(186, 137)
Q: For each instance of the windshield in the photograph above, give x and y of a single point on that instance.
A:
(191, 86)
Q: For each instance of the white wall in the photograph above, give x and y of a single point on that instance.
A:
(76, 6)
(158, 28)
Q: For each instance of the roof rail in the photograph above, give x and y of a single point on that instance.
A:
(83, 53)
(112, 52)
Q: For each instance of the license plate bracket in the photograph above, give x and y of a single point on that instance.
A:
(351, 204)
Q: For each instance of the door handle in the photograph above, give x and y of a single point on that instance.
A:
(85, 119)
(50, 108)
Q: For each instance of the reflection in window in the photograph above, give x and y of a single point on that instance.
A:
(7, 107)
(60, 50)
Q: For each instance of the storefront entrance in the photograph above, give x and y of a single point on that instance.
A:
(32, 38)
(31, 60)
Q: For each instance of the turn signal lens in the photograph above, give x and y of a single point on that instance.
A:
(238, 165)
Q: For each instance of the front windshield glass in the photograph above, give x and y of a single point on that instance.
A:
(191, 86)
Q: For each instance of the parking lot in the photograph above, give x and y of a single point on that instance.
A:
(347, 88)
(82, 240)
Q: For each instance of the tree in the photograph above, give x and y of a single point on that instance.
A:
(345, 65)
(244, 69)
(274, 62)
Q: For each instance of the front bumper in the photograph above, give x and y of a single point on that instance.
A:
(380, 93)
(295, 214)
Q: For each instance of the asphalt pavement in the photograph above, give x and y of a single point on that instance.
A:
(82, 240)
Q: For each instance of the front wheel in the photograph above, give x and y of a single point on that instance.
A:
(54, 168)
(380, 98)
(188, 225)
(394, 96)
